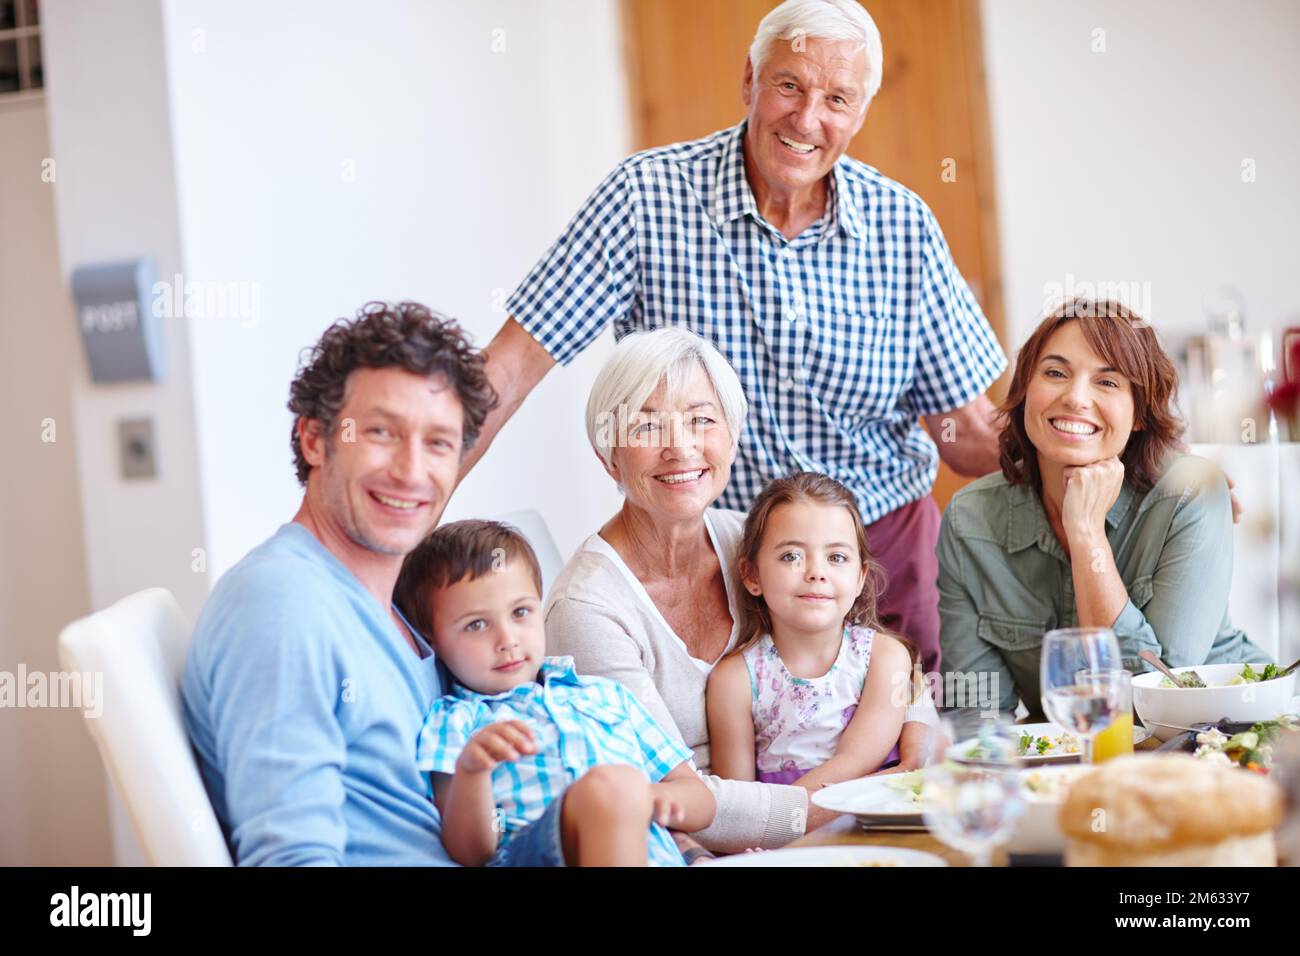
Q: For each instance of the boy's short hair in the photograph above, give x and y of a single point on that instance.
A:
(452, 552)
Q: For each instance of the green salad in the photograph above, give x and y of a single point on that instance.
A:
(1252, 749)
(1248, 675)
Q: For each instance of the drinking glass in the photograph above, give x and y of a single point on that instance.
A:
(1117, 739)
(971, 801)
(1082, 708)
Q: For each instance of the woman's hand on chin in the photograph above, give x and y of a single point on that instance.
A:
(1090, 493)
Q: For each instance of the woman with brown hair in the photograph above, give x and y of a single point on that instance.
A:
(1095, 520)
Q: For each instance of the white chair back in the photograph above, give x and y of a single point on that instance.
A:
(139, 646)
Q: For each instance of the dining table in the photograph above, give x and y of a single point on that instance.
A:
(845, 830)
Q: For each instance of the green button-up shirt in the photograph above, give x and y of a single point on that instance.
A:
(1004, 580)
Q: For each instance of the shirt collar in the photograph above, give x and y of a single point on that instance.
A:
(1027, 520)
(553, 670)
(846, 214)
(733, 198)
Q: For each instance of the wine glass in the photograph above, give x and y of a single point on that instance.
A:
(971, 801)
(1082, 681)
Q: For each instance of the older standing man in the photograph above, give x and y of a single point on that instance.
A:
(828, 287)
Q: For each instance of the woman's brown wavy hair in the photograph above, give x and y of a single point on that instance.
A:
(1128, 344)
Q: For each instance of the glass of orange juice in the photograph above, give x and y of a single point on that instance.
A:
(1117, 739)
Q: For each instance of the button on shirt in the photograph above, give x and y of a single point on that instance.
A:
(1004, 579)
(841, 337)
(579, 721)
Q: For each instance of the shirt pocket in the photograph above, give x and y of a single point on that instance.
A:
(1142, 591)
(610, 730)
(858, 364)
(1019, 641)
(1012, 633)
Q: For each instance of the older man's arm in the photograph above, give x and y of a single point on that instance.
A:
(515, 363)
(967, 437)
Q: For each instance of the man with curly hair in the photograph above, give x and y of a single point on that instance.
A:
(305, 686)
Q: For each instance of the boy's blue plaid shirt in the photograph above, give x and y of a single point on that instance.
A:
(579, 721)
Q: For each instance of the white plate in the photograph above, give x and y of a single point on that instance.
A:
(871, 800)
(832, 856)
(1055, 755)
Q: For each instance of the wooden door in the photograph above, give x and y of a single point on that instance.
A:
(927, 128)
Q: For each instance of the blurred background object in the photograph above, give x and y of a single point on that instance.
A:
(1287, 775)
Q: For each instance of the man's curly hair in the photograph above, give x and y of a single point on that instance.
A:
(406, 335)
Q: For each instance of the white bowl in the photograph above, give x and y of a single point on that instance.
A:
(1166, 709)
(1039, 829)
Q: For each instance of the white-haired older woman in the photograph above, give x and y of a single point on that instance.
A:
(648, 600)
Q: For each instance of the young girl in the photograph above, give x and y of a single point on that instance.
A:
(814, 692)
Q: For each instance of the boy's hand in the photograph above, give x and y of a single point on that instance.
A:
(666, 810)
(496, 743)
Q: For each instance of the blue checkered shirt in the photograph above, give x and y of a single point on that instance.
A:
(842, 337)
(579, 721)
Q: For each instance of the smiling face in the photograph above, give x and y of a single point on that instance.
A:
(382, 478)
(1078, 410)
(678, 454)
(809, 569)
(489, 631)
(804, 109)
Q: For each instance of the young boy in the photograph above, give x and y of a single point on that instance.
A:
(530, 763)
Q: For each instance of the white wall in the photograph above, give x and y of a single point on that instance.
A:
(1127, 164)
(52, 811)
(401, 157)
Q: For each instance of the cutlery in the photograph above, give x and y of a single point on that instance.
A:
(1188, 680)
(899, 827)
(1196, 730)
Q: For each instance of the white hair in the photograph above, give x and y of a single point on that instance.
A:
(640, 362)
(822, 20)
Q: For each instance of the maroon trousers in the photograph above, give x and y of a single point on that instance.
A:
(905, 543)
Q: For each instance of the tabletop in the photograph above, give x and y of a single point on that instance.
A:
(844, 830)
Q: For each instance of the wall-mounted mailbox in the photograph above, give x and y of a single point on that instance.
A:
(124, 339)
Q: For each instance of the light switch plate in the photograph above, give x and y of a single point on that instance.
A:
(135, 442)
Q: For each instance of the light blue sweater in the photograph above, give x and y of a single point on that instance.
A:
(304, 705)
